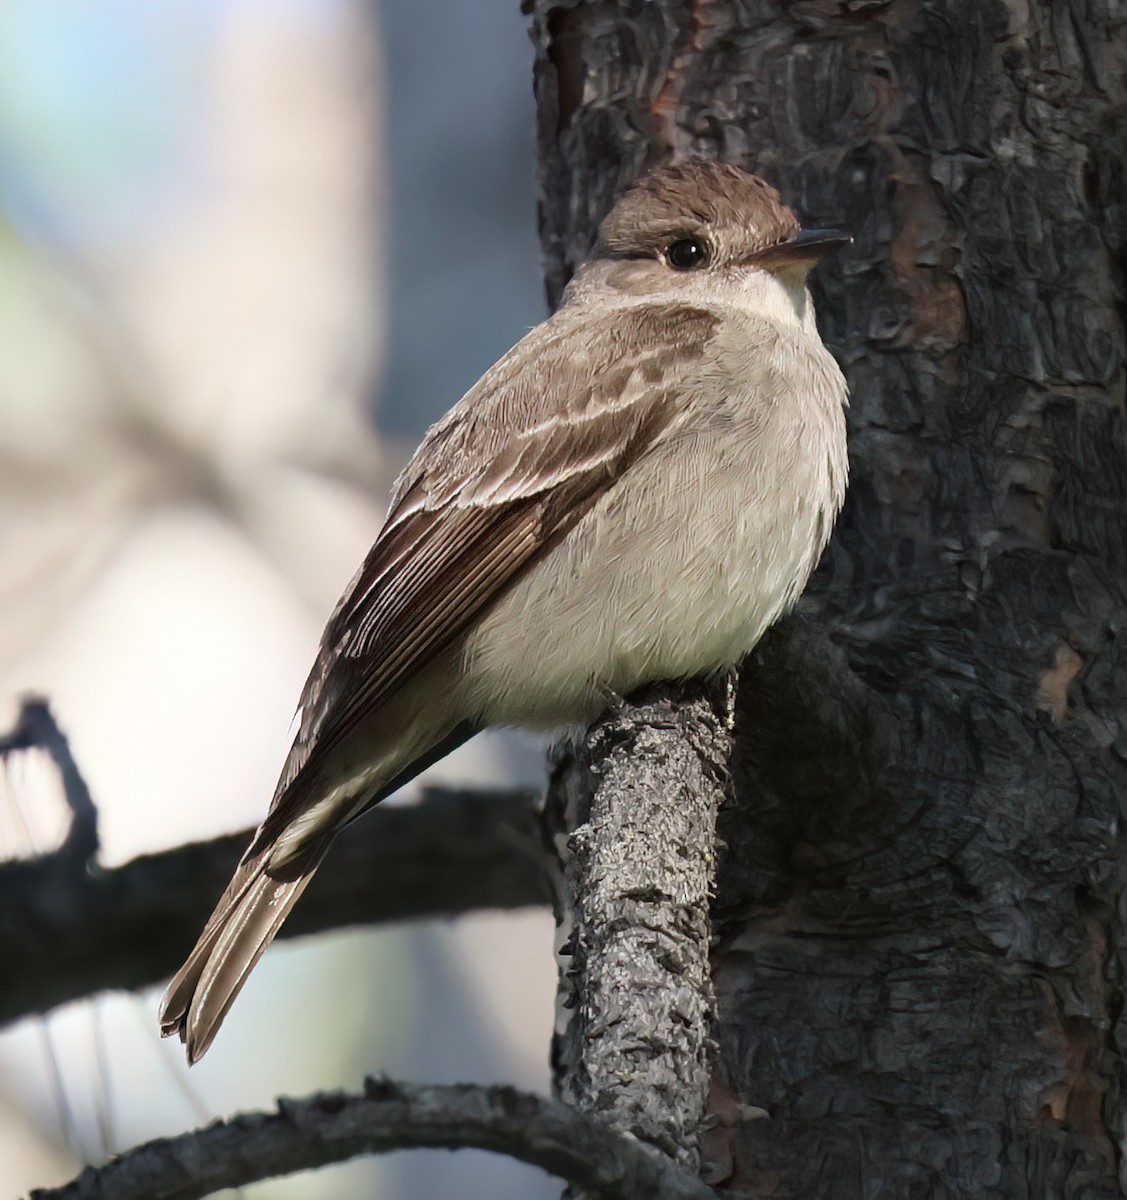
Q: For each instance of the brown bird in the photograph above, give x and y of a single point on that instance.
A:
(635, 492)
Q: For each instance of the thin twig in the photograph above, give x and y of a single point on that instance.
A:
(37, 729)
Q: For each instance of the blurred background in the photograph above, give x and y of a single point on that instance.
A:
(249, 250)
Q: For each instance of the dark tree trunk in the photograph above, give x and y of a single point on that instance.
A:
(920, 947)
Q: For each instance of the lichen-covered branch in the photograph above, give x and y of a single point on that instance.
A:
(338, 1126)
(634, 806)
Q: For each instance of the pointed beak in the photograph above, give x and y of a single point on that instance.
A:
(806, 246)
(813, 243)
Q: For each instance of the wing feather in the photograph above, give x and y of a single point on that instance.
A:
(510, 469)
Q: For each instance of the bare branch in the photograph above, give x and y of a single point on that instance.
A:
(71, 930)
(637, 797)
(337, 1126)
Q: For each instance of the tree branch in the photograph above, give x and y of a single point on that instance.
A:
(635, 803)
(70, 929)
(336, 1126)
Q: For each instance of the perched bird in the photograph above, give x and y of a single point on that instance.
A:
(634, 492)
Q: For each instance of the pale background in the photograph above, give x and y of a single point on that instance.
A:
(249, 249)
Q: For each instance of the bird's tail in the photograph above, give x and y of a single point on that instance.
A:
(249, 914)
(269, 881)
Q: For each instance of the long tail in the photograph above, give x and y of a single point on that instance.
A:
(249, 913)
(257, 900)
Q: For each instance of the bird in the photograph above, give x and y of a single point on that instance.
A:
(634, 492)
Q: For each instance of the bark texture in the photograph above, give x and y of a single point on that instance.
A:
(633, 807)
(921, 954)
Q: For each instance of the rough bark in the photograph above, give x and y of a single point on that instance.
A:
(922, 947)
(633, 807)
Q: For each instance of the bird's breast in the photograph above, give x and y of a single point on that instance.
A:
(682, 565)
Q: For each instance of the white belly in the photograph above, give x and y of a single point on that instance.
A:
(736, 511)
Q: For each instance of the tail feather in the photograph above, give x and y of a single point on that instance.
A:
(244, 923)
(266, 885)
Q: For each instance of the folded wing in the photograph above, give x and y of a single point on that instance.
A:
(505, 474)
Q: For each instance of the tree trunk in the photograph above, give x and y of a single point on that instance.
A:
(920, 946)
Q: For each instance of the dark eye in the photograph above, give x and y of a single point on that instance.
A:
(686, 253)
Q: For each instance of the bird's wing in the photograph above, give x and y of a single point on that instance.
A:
(507, 472)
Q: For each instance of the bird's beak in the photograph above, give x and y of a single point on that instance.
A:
(806, 246)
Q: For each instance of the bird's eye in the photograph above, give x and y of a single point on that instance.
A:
(686, 253)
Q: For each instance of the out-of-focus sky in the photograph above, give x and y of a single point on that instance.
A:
(249, 249)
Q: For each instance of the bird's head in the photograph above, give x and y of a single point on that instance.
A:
(705, 231)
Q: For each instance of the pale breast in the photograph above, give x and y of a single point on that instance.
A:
(681, 567)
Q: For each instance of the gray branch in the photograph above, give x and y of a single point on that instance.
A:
(635, 803)
(71, 929)
(337, 1126)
